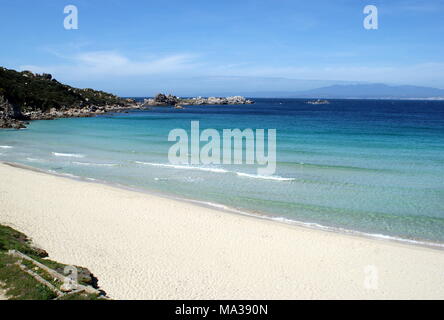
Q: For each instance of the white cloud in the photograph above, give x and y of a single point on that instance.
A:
(99, 64)
(93, 65)
(429, 74)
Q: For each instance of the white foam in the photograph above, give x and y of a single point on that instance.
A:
(281, 219)
(191, 179)
(35, 160)
(69, 175)
(354, 232)
(71, 155)
(216, 170)
(174, 166)
(63, 174)
(214, 205)
(256, 176)
(313, 225)
(6, 147)
(95, 164)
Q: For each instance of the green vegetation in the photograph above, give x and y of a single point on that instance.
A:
(81, 296)
(22, 286)
(42, 273)
(11, 239)
(32, 92)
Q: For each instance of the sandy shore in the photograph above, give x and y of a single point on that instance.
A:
(142, 246)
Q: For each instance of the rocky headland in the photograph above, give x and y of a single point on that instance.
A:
(11, 117)
(26, 96)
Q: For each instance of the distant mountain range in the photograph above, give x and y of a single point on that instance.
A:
(377, 90)
(359, 91)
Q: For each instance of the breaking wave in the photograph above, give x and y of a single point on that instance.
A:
(69, 155)
(216, 170)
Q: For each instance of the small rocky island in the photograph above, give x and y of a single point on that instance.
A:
(170, 100)
(318, 101)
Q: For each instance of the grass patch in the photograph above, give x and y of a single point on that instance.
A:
(81, 296)
(19, 284)
(11, 239)
(22, 286)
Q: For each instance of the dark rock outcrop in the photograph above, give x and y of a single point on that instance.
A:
(165, 100)
(11, 116)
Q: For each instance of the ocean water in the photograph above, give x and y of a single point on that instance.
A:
(372, 166)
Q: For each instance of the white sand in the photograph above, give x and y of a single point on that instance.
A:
(147, 247)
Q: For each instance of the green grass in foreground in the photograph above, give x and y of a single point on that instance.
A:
(20, 285)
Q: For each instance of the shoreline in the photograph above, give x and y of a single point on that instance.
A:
(24, 120)
(143, 246)
(243, 212)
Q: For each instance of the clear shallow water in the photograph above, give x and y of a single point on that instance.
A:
(371, 166)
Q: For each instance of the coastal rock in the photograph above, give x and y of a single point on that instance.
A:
(167, 100)
(84, 276)
(10, 115)
(78, 112)
(40, 252)
(68, 287)
(12, 124)
(239, 100)
(170, 100)
(6, 121)
(8, 110)
(318, 101)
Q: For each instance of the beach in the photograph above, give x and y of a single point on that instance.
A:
(145, 246)
(338, 166)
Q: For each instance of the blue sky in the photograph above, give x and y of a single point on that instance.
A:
(137, 48)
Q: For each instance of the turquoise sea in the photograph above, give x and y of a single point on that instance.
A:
(368, 166)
